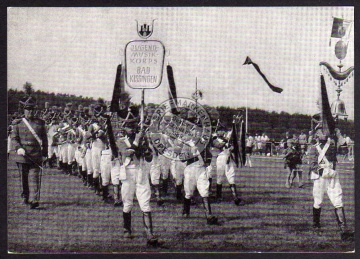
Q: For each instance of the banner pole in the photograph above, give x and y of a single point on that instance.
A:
(142, 108)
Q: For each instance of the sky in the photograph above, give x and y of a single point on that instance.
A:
(77, 50)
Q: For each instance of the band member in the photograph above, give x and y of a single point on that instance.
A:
(71, 145)
(81, 149)
(249, 146)
(177, 168)
(136, 183)
(195, 177)
(52, 148)
(225, 166)
(326, 180)
(98, 145)
(31, 146)
(155, 173)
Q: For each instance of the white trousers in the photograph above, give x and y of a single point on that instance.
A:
(136, 183)
(195, 176)
(224, 169)
(88, 161)
(155, 170)
(164, 166)
(105, 167)
(52, 150)
(95, 160)
(333, 190)
(64, 153)
(177, 171)
(71, 148)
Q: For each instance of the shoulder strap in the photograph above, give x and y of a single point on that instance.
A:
(322, 151)
(36, 136)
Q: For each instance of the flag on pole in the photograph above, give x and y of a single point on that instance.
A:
(238, 142)
(276, 89)
(118, 88)
(242, 142)
(172, 89)
(326, 122)
(340, 28)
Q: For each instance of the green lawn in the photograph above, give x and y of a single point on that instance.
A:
(72, 219)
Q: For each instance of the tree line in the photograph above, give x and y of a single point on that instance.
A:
(274, 124)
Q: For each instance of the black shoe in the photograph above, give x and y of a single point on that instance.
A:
(160, 202)
(118, 203)
(316, 227)
(347, 236)
(212, 220)
(152, 242)
(185, 215)
(239, 202)
(34, 205)
(26, 200)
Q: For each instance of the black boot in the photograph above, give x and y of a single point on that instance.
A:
(65, 168)
(97, 186)
(165, 186)
(75, 169)
(84, 176)
(80, 172)
(147, 220)
(117, 201)
(70, 169)
(210, 182)
(159, 200)
(211, 219)
(60, 166)
(178, 189)
(127, 224)
(219, 192)
(186, 209)
(90, 181)
(237, 200)
(105, 194)
(340, 217)
(316, 218)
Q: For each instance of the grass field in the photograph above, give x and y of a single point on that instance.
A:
(72, 219)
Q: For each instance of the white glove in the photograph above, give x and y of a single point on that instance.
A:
(191, 143)
(21, 152)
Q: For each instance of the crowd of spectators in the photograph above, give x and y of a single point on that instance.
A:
(263, 145)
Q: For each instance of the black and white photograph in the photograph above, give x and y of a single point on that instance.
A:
(180, 130)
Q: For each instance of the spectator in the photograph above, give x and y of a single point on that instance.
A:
(258, 143)
(295, 140)
(249, 142)
(302, 142)
(266, 145)
(350, 146)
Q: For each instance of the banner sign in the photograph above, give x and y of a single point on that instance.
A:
(144, 62)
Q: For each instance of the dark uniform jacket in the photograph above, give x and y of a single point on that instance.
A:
(23, 138)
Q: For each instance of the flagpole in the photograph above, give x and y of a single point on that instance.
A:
(246, 116)
(142, 108)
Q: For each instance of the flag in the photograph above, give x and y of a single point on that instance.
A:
(172, 89)
(340, 28)
(248, 61)
(238, 152)
(327, 122)
(242, 143)
(118, 88)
